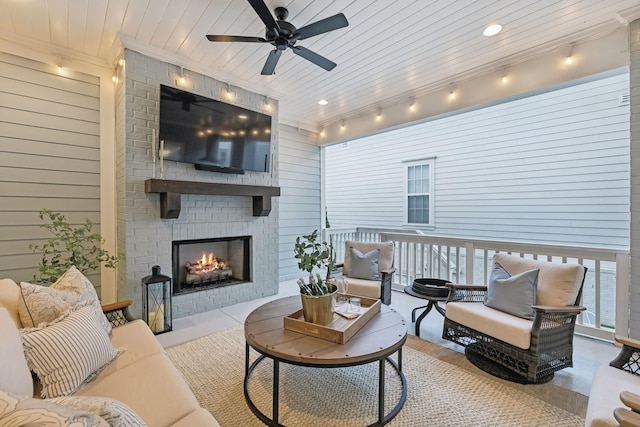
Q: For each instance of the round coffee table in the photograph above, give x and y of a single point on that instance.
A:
(382, 336)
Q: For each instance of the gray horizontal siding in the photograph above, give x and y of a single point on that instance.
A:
(49, 156)
(548, 168)
(299, 177)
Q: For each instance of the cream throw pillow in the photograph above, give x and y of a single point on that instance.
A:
(68, 352)
(43, 304)
(14, 373)
(18, 410)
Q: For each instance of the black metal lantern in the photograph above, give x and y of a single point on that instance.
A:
(156, 301)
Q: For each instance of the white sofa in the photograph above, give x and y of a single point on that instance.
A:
(142, 377)
(621, 375)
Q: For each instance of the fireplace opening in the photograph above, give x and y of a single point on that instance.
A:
(210, 263)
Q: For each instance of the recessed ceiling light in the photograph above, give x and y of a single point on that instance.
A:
(492, 30)
(323, 102)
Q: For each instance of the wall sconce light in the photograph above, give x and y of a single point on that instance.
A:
(267, 104)
(181, 79)
(231, 96)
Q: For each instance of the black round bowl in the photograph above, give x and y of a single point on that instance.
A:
(431, 287)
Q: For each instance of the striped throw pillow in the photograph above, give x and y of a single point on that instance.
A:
(68, 352)
(114, 412)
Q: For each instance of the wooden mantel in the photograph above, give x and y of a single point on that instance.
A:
(170, 192)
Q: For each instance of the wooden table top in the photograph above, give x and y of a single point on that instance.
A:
(264, 331)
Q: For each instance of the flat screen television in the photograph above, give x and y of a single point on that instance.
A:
(213, 135)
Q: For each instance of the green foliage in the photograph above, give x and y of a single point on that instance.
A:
(311, 254)
(77, 246)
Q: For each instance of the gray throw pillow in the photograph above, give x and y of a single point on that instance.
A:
(512, 294)
(364, 266)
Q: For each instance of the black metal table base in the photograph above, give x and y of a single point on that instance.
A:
(428, 307)
(273, 421)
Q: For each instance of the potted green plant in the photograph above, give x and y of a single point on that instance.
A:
(70, 246)
(317, 293)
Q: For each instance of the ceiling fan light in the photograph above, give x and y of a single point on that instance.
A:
(492, 30)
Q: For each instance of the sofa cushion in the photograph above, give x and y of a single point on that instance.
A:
(558, 284)
(9, 295)
(513, 294)
(14, 372)
(498, 324)
(385, 261)
(152, 387)
(604, 396)
(364, 266)
(199, 417)
(67, 352)
(16, 410)
(139, 341)
(114, 412)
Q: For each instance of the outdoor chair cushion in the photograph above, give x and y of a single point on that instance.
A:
(498, 324)
(558, 284)
(513, 294)
(363, 288)
(385, 261)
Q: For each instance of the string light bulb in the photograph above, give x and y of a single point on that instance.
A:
(59, 68)
(505, 77)
(412, 105)
(379, 114)
(569, 58)
(343, 125)
(452, 94)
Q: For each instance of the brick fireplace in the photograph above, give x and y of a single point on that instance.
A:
(146, 235)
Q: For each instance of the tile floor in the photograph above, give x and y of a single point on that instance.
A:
(588, 353)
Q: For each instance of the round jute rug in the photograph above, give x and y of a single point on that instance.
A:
(439, 393)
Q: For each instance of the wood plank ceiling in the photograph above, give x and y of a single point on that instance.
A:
(391, 49)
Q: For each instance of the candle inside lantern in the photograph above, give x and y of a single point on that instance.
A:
(156, 319)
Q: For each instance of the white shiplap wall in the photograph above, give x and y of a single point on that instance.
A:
(552, 167)
(300, 213)
(49, 156)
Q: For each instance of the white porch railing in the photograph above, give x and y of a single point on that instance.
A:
(460, 260)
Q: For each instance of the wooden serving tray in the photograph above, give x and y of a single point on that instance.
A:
(340, 330)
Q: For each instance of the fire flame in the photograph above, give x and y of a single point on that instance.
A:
(209, 263)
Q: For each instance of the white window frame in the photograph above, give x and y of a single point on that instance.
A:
(406, 165)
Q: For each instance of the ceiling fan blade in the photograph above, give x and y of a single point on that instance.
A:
(245, 39)
(272, 60)
(265, 15)
(309, 55)
(322, 26)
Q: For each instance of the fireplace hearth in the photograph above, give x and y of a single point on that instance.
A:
(210, 263)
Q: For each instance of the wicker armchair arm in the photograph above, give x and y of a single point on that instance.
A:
(118, 313)
(629, 357)
(467, 287)
(569, 309)
(626, 418)
(630, 399)
(629, 342)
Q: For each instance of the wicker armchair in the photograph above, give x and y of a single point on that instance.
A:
(358, 285)
(510, 347)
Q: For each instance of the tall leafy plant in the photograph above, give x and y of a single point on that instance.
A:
(312, 253)
(78, 246)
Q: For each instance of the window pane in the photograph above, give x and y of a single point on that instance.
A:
(412, 172)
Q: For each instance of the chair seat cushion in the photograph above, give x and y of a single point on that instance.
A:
(500, 325)
(604, 396)
(558, 284)
(364, 288)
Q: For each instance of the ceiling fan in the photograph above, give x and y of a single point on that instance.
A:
(283, 35)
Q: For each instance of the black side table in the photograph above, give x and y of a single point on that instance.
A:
(433, 303)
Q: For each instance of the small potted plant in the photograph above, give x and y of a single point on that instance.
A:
(317, 293)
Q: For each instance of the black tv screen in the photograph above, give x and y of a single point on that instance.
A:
(213, 135)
